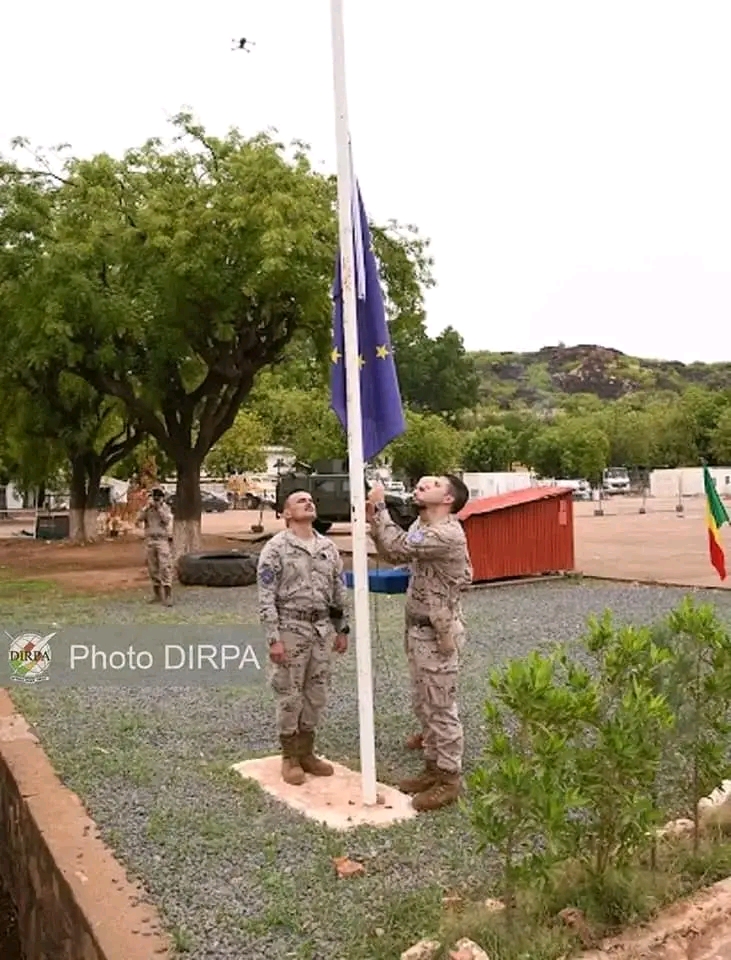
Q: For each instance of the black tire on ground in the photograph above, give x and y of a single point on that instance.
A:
(231, 569)
(322, 526)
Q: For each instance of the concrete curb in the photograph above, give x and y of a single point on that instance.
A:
(73, 897)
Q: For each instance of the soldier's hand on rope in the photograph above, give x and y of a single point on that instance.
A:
(370, 511)
(277, 653)
(377, 494)
(341, 643)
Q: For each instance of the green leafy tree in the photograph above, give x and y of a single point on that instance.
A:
(240, 449)
(546, 451)
(585, 449)
(489, 449)
(428, 447)
(56, 422)
(631, 442)
(299, 419)
(168, 279)
(721, 439)
(437, 375)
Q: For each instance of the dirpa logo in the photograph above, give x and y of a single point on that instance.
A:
(29, 657)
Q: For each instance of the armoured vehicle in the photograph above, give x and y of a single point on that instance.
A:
(328, 483)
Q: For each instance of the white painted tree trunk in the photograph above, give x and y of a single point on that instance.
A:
(187, 529)
(186, 536)
(83, 525)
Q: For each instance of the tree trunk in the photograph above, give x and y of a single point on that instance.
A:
(77, 501)
(84, 493)
(187, 530)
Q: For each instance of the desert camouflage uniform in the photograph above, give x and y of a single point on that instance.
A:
(435, 629)
(158, 524)
(302, 601)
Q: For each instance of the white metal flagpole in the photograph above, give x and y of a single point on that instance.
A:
(355, 427)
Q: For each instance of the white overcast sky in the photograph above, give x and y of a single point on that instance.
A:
(569, 159)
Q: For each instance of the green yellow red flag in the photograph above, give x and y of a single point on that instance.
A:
(716, 516)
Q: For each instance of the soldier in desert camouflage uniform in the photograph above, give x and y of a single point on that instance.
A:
(435, 546)
(157, 520)
(302, 608)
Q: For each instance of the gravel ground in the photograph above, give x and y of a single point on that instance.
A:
(237, 875)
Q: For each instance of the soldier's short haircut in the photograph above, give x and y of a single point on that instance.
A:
(294, 493)
(459, 491)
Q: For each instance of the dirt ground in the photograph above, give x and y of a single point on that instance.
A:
(660, 546)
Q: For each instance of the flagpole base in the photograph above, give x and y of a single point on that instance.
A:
(336, 801)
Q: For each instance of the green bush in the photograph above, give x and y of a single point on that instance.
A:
(586, 754)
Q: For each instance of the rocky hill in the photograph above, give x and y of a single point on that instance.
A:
(539, 379)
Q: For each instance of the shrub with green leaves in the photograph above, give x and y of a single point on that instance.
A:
(572, 756)
(523, 793)
(697, 684)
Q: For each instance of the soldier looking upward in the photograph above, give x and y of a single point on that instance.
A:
(302, 602)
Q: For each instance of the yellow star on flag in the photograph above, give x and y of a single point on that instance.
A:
(361, 362)
(382, 352)
(335, 355)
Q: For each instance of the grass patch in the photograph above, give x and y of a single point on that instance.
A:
(228, 865)
(597, 908)
(10, 588)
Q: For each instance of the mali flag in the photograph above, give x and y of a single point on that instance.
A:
(716, 516)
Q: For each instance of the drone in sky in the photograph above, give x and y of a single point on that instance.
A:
(243, 44)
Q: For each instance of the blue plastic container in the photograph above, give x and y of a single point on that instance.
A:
(384, 581)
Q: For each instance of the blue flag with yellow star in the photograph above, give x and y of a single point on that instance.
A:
(380, 396)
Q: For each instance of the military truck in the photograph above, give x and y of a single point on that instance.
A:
(328, 482)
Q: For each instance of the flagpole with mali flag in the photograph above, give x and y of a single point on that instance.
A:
(365, 393)
(716, 516)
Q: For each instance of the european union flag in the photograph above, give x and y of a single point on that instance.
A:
(380, 397)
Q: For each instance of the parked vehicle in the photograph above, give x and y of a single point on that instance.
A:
(616, 480)
(210, 502)
(328, 483)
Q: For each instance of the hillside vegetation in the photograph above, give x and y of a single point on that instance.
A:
(540, 379)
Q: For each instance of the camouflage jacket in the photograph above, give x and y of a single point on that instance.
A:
(300, 577)
(157, 521)
(440, 566)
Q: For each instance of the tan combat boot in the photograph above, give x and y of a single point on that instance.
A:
(415, 741)
(422, 781)
(308, 761)
(292, 772)
(167, 593)
(446, 790)
(156, 594)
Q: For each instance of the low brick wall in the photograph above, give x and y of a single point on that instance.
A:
(73, 897)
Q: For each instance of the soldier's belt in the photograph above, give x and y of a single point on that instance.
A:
(417, 620)
(305, 616)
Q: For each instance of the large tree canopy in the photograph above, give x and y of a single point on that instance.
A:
(167, 279)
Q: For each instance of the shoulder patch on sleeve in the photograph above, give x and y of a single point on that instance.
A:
(415, 536)
(266, 575)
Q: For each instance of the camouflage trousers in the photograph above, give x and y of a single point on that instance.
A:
(434, 697)
(160, 562)
(301, 685)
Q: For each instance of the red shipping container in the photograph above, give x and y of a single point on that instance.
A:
(526, 533)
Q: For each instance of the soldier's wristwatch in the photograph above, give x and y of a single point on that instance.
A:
(380, 506)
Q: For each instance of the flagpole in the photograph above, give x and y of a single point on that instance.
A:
(355, 428)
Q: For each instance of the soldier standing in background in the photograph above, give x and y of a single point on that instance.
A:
(436, 547)
(157, 519)
(302, 608)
